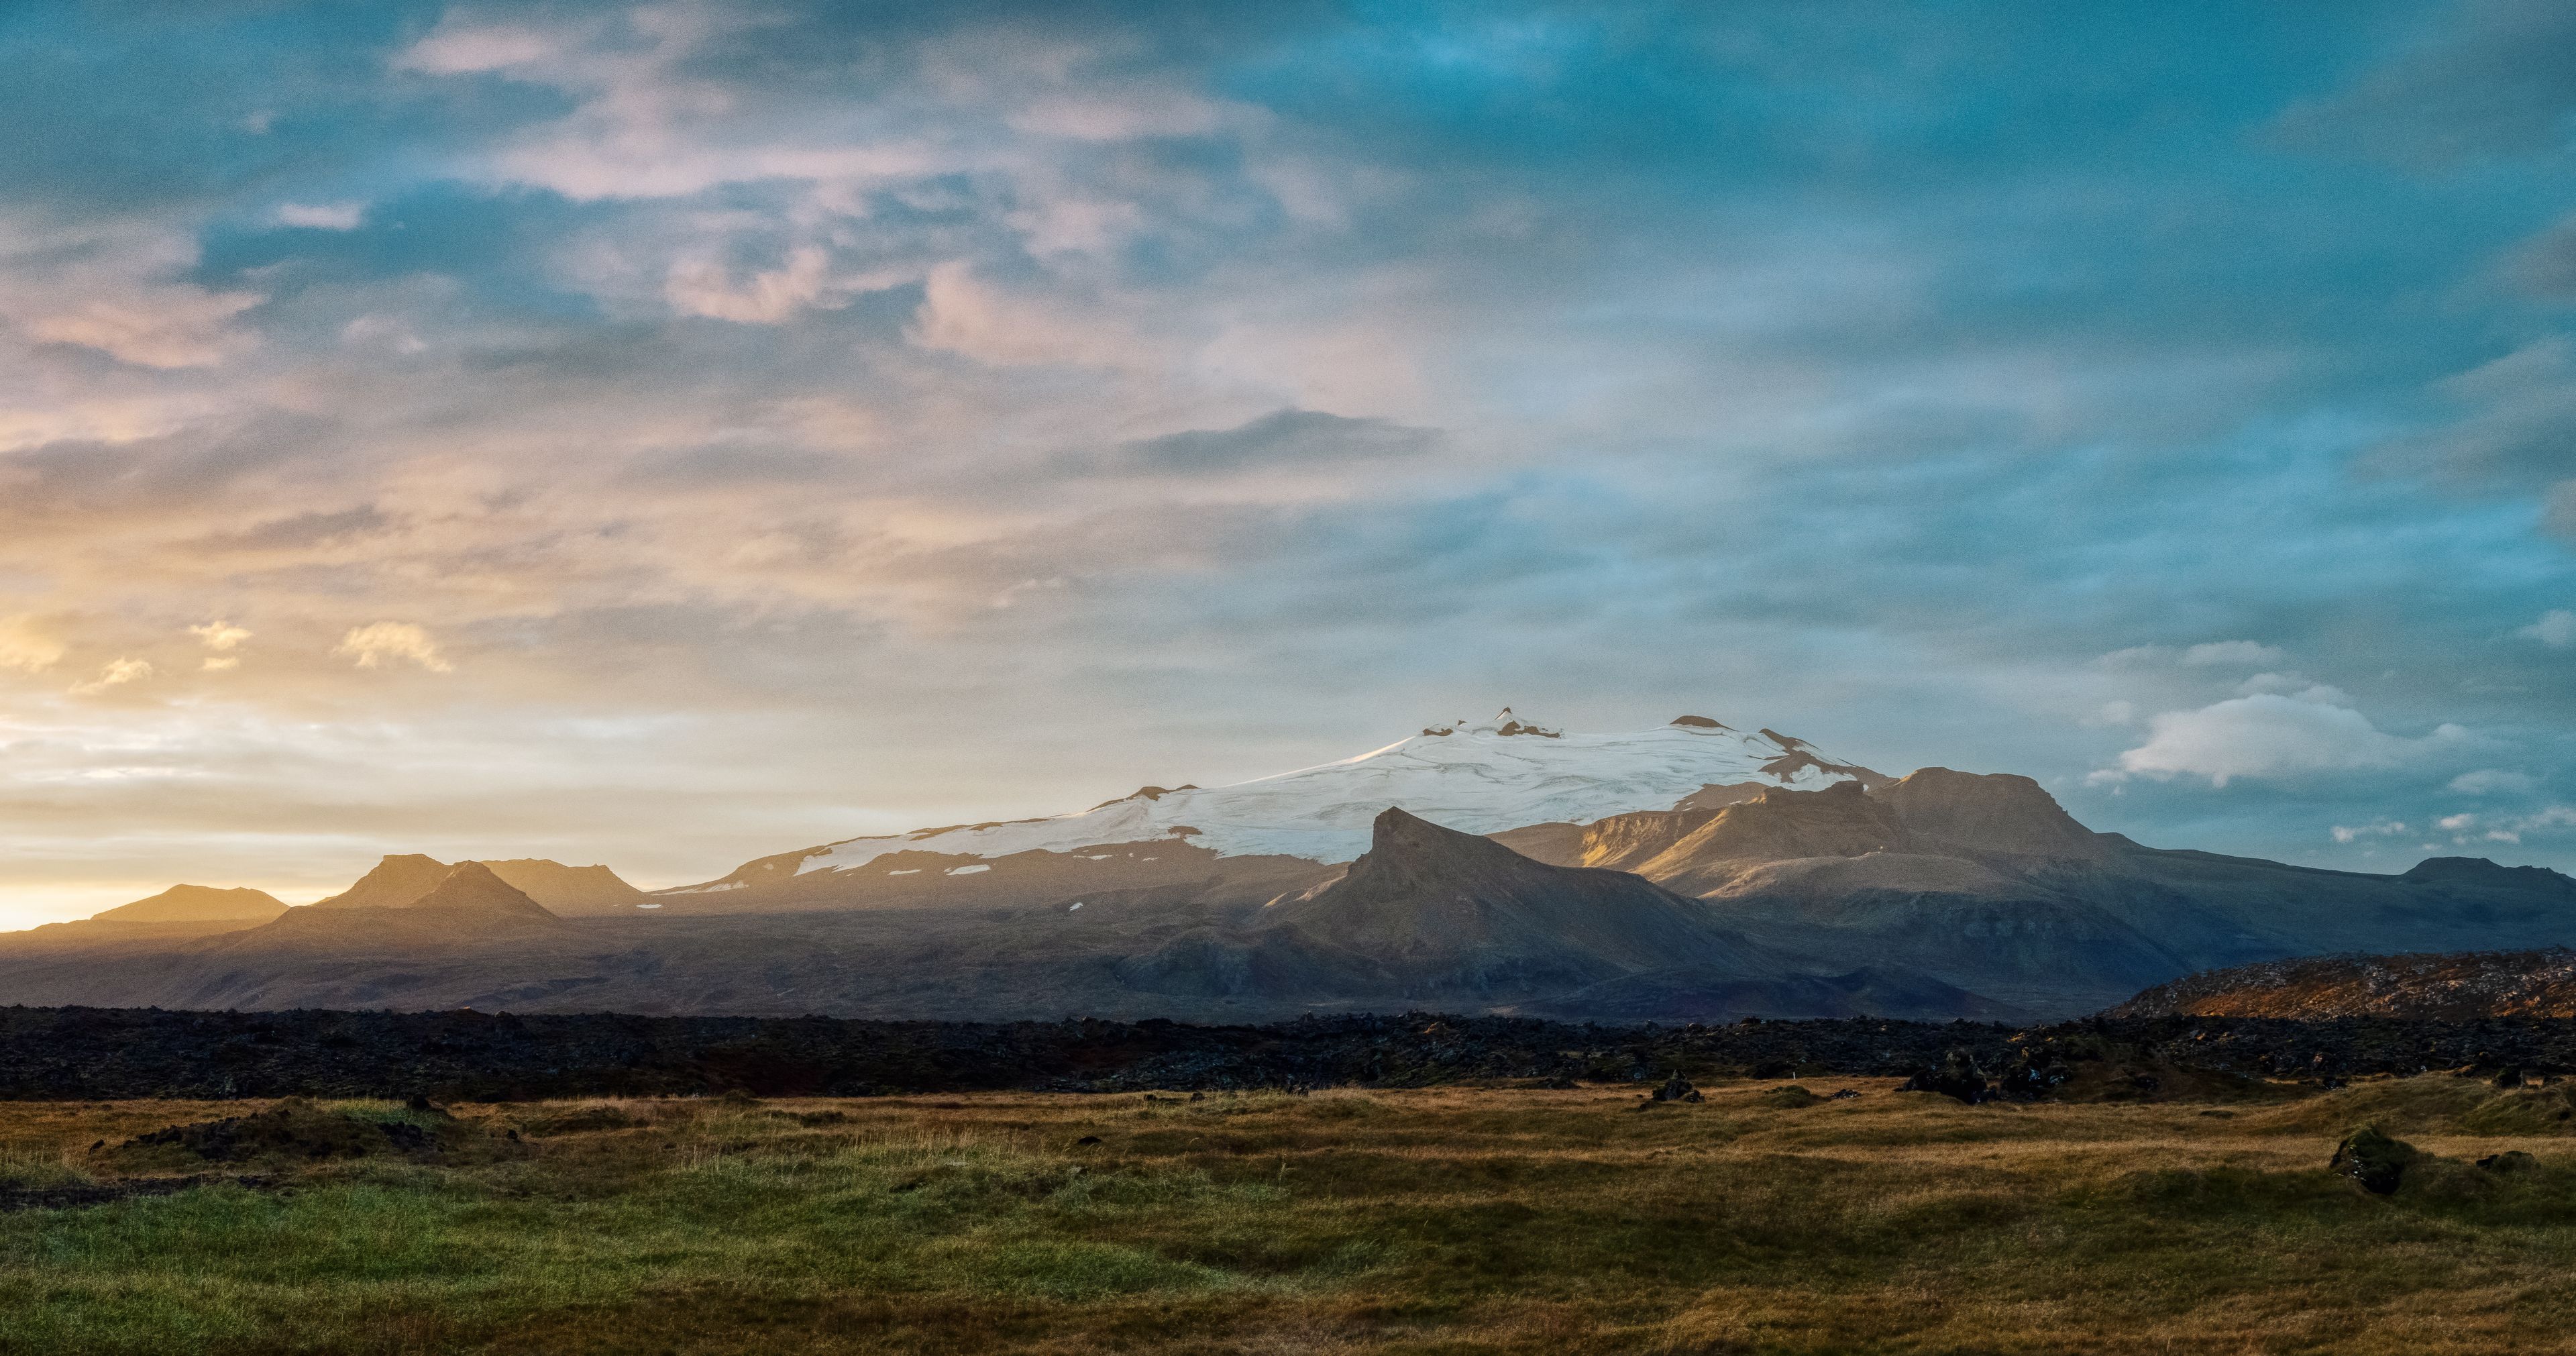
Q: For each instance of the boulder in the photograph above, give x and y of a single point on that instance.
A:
(2373, 1160)
(1677, 1089)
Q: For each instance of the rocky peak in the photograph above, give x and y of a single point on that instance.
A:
(395, 881)
(1503, 723)
(1996, 812)
(472, 887)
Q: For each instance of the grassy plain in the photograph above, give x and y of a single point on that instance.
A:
(1452, 1220)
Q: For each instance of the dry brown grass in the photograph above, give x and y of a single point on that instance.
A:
(1420, 1221)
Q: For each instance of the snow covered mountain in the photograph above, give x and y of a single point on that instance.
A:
(1475, 777)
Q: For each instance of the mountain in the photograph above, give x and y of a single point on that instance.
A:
(1983, 881)
(175, 914)
(197, 904)
(1480, 778)
(1686, 873)
(1430, 910)
(401, 879)
(2454, 987)
(469, 902)
(389, 884)
(570, 889)
(1432, 917)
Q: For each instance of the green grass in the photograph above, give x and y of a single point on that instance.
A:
(1408, 1221)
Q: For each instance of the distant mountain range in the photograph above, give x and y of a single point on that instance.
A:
(1692, 872)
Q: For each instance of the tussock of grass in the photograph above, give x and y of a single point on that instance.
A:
(1557, 1222)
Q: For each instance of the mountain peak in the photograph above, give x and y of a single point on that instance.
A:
(1996, 812)
(2483, 871)
(1504, 723)
(1445, 908)
(197, 904)
(1489, 777)
(473, 888)
(398, 879)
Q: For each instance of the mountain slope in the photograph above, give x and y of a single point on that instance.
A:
(469, 907)
(2452, 987)
(197, 904)
(402, 879)
(569, 890)
(1432, 916)
(1432, 907)
(1985, 882)
(1485, 778)
(393, 882)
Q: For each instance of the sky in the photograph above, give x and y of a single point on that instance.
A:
(669, 435)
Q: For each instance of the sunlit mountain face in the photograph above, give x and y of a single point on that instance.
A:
(663, 436)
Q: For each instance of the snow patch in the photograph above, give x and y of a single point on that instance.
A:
(1501, 774)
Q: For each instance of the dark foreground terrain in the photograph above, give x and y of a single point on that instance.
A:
(77, 1053)
(1830, 1214)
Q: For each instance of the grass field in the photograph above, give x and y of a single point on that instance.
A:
(1460, 1220)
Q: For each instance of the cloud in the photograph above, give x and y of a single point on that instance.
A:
(1284, 438)
(117, 673)
(2555, 629)
(2388, 828)
(220, 635)
(1124, 116)
(170, 326)
(2491, 78)
(2232, 652)
(2270, 736)
(2545, 265)
(2514, 421)
(962, 314)
(2138, 657)
(27, 646)
(112, 288)
(459, 46)
(324, 216)
(2465, 829)
(805, 281)
(375, 644)
(2488, 781)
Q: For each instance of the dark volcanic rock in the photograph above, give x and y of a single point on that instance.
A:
(1956, 1076)
(2372, 1159)
(2447, 986)
(2035, 1072)
(1677, 1089)
(60, 1054)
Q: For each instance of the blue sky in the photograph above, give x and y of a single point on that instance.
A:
(671, 434)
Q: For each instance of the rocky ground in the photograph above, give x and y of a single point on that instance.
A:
(2446, 986)
(95, 1053)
